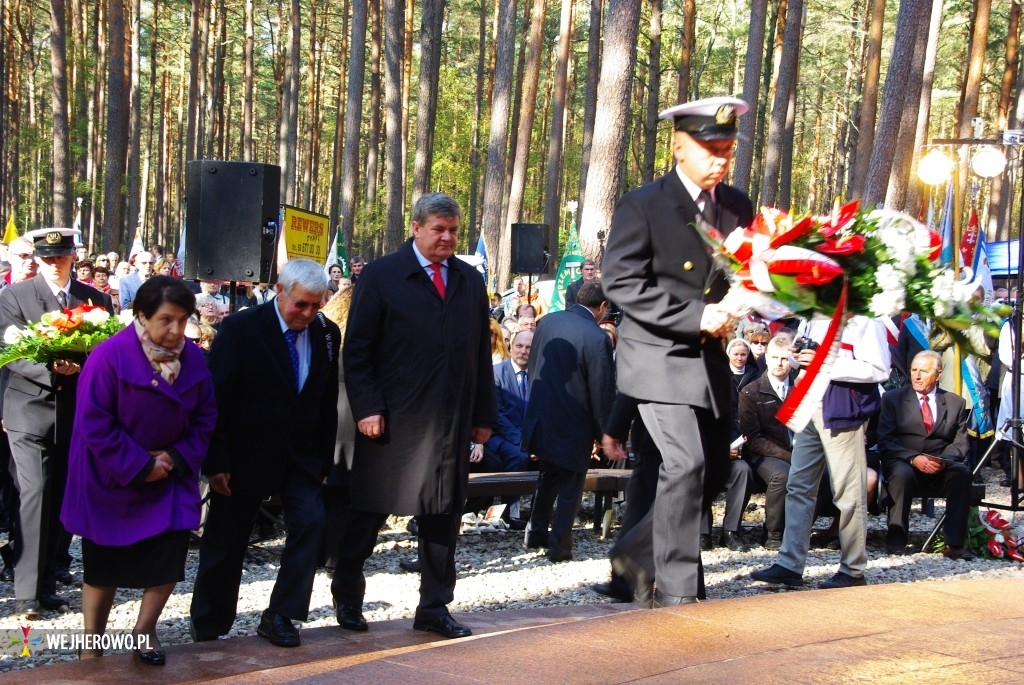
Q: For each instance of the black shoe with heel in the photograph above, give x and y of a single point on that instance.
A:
(155, 656)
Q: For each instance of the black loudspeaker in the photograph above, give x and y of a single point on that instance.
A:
(529, 251)
(231, 214)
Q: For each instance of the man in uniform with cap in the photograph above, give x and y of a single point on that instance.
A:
(38, 408)
(670, 357)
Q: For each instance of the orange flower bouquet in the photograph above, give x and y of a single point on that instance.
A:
(63, 334)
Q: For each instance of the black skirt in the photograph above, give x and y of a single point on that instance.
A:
(157, 560)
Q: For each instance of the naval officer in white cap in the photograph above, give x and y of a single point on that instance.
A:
(38, 409)
(670, 355)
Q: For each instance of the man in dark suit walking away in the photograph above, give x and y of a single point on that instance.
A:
(278, 360)
(419, 377)
(38, 410)
(572, 385)
(922, 438)
(658, 269)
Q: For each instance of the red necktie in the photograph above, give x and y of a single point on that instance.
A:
(438, 281)
(926, 414)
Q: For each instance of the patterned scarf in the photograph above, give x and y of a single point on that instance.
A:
(163, 360)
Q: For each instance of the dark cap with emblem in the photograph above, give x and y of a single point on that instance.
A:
(708, 119)
(54, 242)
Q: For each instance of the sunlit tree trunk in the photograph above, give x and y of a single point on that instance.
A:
(426, 102)
(744, 158)
(117, 128)
(650, 137)
(788, 66)
(553, 187)
(394, 44)
(497, 152)
(605, 172)
(62, 200)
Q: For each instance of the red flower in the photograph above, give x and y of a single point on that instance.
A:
(847, 245)
(799, 229)
(993, 519)
(935, 242)
(995, 549)
(837, 220)
(1015, 555)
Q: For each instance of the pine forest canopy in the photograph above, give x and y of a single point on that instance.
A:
(513, 108)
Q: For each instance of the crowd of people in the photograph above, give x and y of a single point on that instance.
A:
(351, 398)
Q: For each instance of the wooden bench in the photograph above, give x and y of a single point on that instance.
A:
(602, 482)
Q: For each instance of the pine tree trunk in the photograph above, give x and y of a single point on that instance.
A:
(590, 97)
(426, 102)
(497, 152)
(117, 128)
(915, 196)
(605, 174)
(869, 102)
(553, 187)
(62, 200)
(686, 40)
(531, 77)
(1002, 195)
(912, 14)
(788, 65)
(136, 185)
(394, 46)
(903, 150)
(744, 158)
(247, 82)
(353, 117)
(513, 128)
(373, 136)
(650, 137)
(406, 88)
(82, 78)
(478, 109)
(288, 147)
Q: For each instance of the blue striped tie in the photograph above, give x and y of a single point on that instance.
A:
(290, 337)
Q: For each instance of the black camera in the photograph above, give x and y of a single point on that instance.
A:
(804, 343)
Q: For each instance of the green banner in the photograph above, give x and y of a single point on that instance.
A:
(568, 270)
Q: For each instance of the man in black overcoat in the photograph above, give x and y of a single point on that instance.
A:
(38, 411)
(572, 385)
(419, 378)
(658, 269)
(275, 373)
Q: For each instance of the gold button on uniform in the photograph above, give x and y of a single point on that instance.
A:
(707, 291)
(687, 266)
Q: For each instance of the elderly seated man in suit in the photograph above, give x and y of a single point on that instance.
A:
(502, 451)
(769, 443)
(922, 437)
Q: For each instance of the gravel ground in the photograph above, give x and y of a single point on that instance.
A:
(497, 573)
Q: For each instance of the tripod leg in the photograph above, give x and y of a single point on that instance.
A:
(977, 467)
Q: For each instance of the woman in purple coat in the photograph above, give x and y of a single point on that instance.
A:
(145, 414)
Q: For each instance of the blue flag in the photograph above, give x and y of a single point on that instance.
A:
(946, 228)
(481, 252)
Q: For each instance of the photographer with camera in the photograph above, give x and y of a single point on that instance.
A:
(834, 436)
